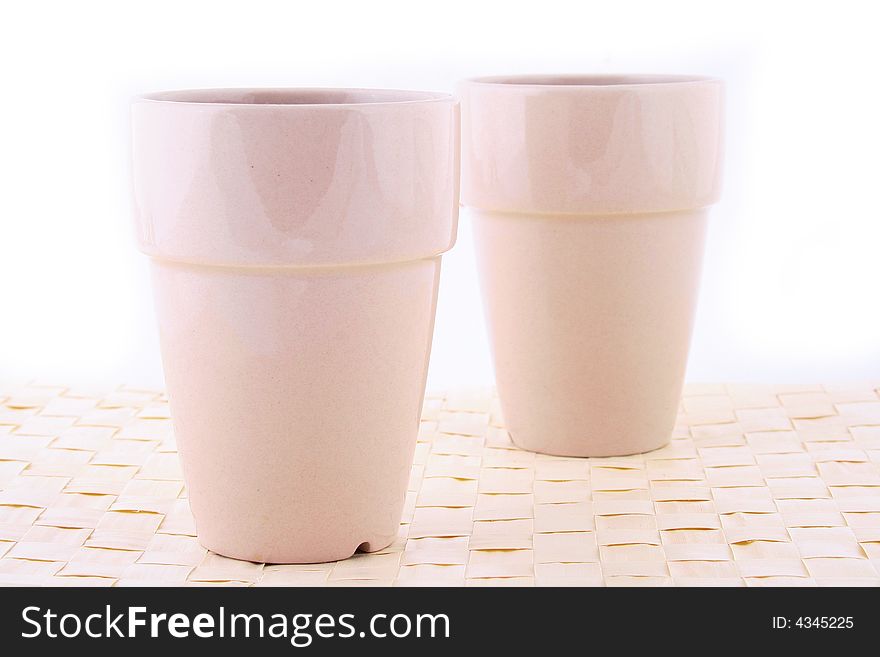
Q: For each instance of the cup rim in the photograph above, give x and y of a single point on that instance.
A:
(589, 81)
(300, 97)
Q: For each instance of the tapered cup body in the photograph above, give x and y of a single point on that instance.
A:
(295, 237)
(589, 199)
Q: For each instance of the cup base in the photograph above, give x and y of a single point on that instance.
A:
(283, 557)
(586, 450)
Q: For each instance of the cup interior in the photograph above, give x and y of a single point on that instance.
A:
(589, 80)
(294, 96)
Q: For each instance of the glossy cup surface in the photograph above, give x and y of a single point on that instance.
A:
(588, 197)
(295, 238)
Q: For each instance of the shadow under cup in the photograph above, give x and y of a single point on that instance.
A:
(589, 198)
(295, 238)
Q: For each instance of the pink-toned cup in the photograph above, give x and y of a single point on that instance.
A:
(295, 238)
(589, 197)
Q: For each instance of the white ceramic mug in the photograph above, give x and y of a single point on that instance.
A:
(295, 239)
(589, 197)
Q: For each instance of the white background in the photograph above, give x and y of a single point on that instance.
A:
(790, 290)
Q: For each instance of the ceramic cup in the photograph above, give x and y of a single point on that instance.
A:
(588, 197)
(295, 238)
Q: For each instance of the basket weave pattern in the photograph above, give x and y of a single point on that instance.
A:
(761, 485)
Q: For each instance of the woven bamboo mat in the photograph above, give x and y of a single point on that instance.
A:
(761, 486)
